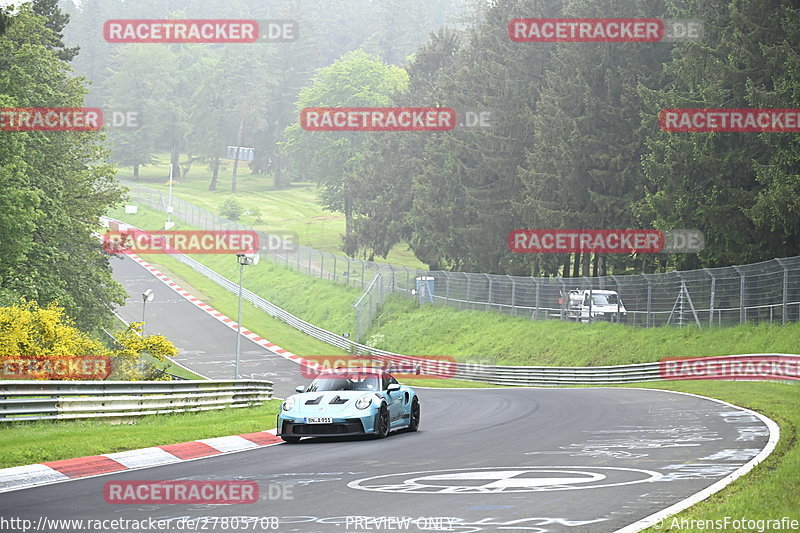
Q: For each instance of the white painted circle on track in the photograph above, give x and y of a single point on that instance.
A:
(505, 479)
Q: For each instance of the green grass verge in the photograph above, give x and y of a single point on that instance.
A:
(502, 339)
(477, 335)
(295, 209)
(35, 442)
(255, 278)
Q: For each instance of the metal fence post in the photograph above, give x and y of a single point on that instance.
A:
(334, 269)
(742, 310)
(469, 300)
(446, 288)
(649, 302)
(536, 310)
(489, 299)
(513, 295)
(785, 305)
(712, 297)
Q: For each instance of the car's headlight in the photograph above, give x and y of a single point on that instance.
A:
(288, 403)
(364, 402)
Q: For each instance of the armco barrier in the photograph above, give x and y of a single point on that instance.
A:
(49, 400)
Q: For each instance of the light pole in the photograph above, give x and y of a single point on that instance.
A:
(249, 257)
(169, 223)
(147, 296)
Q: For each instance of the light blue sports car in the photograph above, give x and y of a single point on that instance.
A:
(345, 402)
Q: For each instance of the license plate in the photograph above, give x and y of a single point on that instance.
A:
(319, 420)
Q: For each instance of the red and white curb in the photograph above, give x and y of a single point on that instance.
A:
(119, 226)
(22, 477)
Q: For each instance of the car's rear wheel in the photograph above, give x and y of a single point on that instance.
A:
(414, 424)
(382, 423)
(290, 440)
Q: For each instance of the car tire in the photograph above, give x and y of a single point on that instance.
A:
(413, 425)
(290, 440)
(382, 423)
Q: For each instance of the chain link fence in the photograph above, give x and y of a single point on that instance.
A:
(761, 292)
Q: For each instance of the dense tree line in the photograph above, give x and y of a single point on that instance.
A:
(197, 99)
(576, 143)
(54, 186)
(574, 140)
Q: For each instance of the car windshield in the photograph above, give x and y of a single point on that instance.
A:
(344, 382)
(604, 299)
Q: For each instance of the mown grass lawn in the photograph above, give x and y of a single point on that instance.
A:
(294, 210)
(25, 443)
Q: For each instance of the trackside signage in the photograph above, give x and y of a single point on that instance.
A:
(427, 367)
(730, 120)
(611, 30)
(179, 242)
(50, 119)
(55, 367)
(180, 492)
(740, 367)
(378, 119)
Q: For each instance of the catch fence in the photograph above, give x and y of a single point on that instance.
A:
(761, 292)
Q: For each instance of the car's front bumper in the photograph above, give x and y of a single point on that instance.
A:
(340, 427)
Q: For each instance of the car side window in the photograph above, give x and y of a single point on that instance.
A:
(386, 380)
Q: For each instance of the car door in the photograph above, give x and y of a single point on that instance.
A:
(395, 400)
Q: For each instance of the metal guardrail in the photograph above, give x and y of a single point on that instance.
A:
(50, 400)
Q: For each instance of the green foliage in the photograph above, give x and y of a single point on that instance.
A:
(231, 208)
(54, 185)
(29, 330)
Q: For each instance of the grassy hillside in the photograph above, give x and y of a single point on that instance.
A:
(294, 209)
(466, 335)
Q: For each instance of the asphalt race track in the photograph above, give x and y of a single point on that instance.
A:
(205, 345)
(534, 460)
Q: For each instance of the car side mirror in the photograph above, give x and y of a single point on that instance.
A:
(393, 387)
(300, 388)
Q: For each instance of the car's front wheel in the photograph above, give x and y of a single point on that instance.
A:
(290, 440)
(382, 423)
